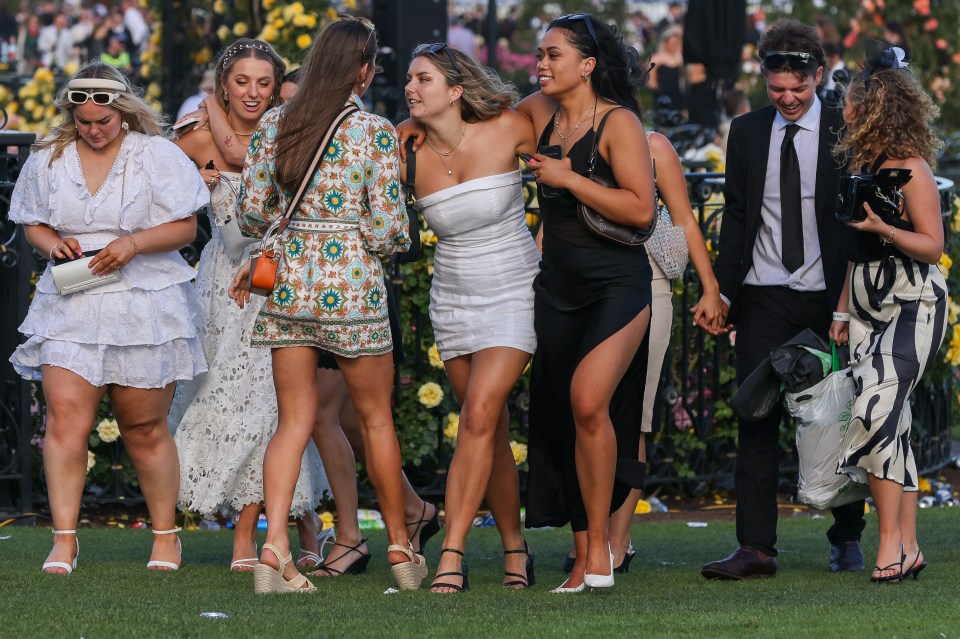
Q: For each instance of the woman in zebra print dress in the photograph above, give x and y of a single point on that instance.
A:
(896, 296)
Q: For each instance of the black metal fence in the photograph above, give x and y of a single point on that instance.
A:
(694, 447)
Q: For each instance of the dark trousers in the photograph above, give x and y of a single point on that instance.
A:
(767, 317)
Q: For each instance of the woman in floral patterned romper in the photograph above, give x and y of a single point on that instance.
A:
(330, 291)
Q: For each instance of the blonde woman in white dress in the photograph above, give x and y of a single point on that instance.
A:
(481, 301)
(106, 182)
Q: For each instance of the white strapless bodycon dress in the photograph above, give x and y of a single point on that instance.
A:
(484, 266)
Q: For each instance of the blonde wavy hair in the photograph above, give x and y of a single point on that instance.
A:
(888, 112)
(484, 96)
(133, 109)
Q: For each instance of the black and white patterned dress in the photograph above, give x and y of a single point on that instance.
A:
(898, 312)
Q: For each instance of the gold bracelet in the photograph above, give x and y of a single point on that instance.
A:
(136, 249)
(893, 236)
(54, 250)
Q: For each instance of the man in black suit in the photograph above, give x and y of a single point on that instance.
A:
(781, 269)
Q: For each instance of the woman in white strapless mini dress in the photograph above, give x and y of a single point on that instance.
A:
(481, 301)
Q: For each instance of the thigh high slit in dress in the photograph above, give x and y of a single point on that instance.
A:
(587, 290)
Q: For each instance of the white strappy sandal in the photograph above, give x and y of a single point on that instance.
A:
(62, 564)
(156, 564)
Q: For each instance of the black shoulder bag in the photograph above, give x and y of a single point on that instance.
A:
(601, 226)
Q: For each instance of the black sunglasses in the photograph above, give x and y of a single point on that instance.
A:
(587, 20)
(792, 60)
(435, 49)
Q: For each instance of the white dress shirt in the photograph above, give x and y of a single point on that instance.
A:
(768, 268)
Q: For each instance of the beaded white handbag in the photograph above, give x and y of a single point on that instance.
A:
(668, 245)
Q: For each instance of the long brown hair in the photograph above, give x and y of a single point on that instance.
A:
(326, 80)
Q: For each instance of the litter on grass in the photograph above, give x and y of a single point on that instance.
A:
(214, 615)
(390, 591)
(696, 524)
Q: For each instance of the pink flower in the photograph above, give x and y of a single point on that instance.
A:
(931, 24)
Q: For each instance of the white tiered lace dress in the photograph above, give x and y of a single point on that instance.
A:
(141, 330)
(224, 420)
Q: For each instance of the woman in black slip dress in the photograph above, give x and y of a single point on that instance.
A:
(592, 296)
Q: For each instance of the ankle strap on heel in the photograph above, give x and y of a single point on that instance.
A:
(453, 550)
(172, 531)
(406, 550)
(64, 532)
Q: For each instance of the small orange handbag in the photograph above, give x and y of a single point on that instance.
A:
(265, 261)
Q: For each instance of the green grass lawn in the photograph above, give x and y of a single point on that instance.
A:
(113, 595)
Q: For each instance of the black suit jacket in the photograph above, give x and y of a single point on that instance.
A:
(747, 150)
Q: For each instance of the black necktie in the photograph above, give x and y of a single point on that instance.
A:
(791, 218)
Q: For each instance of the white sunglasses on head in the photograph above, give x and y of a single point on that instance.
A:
(102, 98)
(83, 89)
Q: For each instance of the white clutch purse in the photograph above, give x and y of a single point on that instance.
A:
(75, 275)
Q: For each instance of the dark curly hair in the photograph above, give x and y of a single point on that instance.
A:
(619, 72)
(890, 114)
(791, 35)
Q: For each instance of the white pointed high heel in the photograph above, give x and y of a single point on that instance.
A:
(62, 564)
(156, 564)
(600, 581)
(562, 590)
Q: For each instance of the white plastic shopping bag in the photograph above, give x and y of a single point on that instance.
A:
(822, 414)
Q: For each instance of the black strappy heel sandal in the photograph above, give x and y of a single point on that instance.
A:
(425, 528)
(523, 581)
(627, 558)
(358, 566)
(890, 579)
(915, 570)
(465, 584)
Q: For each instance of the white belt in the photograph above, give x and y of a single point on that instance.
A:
(323, 226)
(94, 240)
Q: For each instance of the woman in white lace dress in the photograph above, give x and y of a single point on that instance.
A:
(224, 420)
(106, 182)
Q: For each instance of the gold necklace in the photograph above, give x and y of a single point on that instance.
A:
(556, 123)
(240, 133)
(451, 152)
(447, 153)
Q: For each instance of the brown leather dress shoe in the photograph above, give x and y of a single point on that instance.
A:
(744, 563)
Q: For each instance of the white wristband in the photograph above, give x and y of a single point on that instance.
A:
(841, 317)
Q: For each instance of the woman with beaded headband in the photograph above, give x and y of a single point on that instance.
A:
(330, 291)
(895, 296)
(107, 183)
(224, 420)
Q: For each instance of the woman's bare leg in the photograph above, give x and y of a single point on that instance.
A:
(593, 384)
(71, 405)
(295, 380)
(142, 417)
(484, 381)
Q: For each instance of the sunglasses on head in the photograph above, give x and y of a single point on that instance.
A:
(792, 60)
(103, 98)
(587, 20)
(435, 49)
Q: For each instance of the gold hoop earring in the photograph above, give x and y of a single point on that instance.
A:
(584, 77)
(451, 102)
